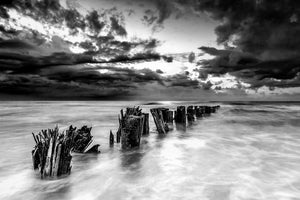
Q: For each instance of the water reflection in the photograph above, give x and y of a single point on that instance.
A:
(181, 127)
(132, 160)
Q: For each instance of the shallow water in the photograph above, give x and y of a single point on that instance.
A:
(249, 151)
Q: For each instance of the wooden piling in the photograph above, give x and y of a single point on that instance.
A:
(111, 138)
(131, 131)
(170, 117)
(161, 126)
(146, 124)
(164, 112)
(82, 139)
(180, 117)
(190, 114)
(134, 111)
(52, 152)
(207, 109)
(198, 112)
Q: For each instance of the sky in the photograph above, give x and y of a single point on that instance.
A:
(206, 50)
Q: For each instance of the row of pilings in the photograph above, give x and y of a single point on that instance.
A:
(52, 157)
(134, 123)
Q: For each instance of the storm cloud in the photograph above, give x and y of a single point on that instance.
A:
(47, 47)
(260, 39)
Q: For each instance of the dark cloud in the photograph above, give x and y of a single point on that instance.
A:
(12, 44)
(149, 17)
(261, 27)
(265, 36)
(37, 87)
(3, 13)
(258, 73)
(207, 85)
(94, 22)
(159, 71)
(260, 37)
(6, 3)
(165, 10)
(182, 80)
(8, 32)
(75, 20)
(117, 27)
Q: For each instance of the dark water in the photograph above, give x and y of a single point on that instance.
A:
(245, 151)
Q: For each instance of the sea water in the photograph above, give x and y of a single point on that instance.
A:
(245, 151)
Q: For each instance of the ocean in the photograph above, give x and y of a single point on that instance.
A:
(245, 151)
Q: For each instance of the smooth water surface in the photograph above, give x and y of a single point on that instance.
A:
(245, 151)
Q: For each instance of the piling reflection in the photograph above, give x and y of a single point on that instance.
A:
(132, 159)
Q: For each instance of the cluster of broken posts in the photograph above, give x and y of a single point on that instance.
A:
(52, 152)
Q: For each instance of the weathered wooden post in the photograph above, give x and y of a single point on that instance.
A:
(131, 131)
(146, 124)
(82, 139)
(119, 130)
(180, 118)
(161, 126)
(198, 112)
(208, 109)
(190, 114)
(132, 125)
(180, 115)
(170, 117)
(164, 112)
(111, 138)
(213, 109)
(52, 152)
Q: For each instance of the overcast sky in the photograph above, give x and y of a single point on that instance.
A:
(150, 50)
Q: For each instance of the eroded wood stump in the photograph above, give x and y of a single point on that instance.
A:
(180, 117)
(146, 124)
(52, 152)
(134, 111)
(131, 131)
(132, 124)
(190, 114)
(161, 125)
(170, 117)
(198, 112)
(111, 138)
(82, 139)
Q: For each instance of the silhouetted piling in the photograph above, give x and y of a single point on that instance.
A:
(198, 112)
(111, 138)
(164, 112)
(170, 117)
(180, 117)
(190, 113)
(146, 124)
